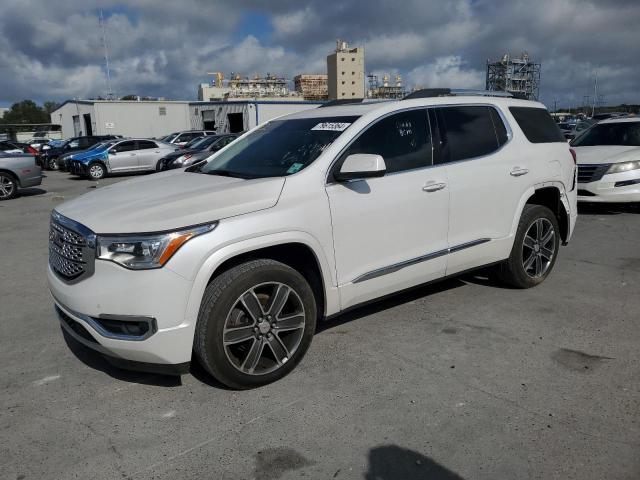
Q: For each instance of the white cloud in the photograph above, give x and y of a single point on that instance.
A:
(450, 71)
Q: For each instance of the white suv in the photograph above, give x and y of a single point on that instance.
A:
(235, 259)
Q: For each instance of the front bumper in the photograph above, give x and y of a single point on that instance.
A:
(116, 292)
(612, 188)
(77, 168)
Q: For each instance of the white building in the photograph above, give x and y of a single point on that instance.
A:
(345, 72)
(159, 118)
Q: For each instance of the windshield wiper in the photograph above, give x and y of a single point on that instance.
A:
(227, 173)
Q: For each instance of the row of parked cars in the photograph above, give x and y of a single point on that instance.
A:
(97, 156)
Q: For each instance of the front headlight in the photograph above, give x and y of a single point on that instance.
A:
(624, 167)
(141, 252)
(46, 147)
(181, 160)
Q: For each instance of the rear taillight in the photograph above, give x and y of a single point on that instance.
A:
(32, 150)
(575, 157)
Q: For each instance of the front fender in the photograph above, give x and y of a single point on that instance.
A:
(218, 257)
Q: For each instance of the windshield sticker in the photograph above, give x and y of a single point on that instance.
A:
(331, 126)
(295, 167)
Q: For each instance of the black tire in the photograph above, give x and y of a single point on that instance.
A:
(514, 270)
(96, 171)
(52, 164)
(159, 166)
(8, 186)
(219, 303)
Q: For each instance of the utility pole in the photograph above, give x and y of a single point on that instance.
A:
(595, 96)
(106, 56)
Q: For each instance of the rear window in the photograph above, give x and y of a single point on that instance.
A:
(537, 125)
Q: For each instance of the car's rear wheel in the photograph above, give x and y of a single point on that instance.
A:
(97, 171)
(255, 324)
(8, 186)
(535, 248)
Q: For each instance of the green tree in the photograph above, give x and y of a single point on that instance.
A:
(26, 111)
(50, 107)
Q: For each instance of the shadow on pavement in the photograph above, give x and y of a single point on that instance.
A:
(96, 361)
(390, 301)
(390, 462)
(607, 208)
(31, 192)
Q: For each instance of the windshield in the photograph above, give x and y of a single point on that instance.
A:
(622, 133)
(278, 148)
(199, 143)
(169, 137)
(102, 145)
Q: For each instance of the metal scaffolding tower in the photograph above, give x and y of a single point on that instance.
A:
(518, 75)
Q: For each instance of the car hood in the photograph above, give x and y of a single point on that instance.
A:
(170, 200)
(178, 153)
(606, 154)
(88, 154)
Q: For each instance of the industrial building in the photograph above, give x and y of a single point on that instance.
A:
(269, 87)
(311, 86)
(149, 119)
(345, 72)
(386, 89)
(517, 75)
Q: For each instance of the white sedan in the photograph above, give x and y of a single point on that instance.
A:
(609, 161)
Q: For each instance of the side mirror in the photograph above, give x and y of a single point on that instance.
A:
(361, 165)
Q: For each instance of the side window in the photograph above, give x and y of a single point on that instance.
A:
(146, 144)
(124, 146)
(403, 140)
(537, 125)
(466, 132)
(74, 143)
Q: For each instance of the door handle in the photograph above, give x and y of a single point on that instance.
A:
(518, 172)
(433, 187)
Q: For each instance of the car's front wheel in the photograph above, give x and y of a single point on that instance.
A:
(535, 248)
(8, 186)
(97, 171)
(52, 164)
(255, 324)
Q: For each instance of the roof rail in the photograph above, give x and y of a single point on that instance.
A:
(341, 101)
(446, 92)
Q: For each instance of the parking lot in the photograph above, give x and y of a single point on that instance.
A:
(461, 379)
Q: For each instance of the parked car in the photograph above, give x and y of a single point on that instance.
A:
(200, 150)
(62, 161)
(9, 146)
(307, 215)
(609, 161)
(48, 158)
(17, 170)
(180, 139)
(130, 155)
(605, 116)
(572, 130)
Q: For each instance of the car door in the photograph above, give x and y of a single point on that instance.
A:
(487, 179)
(148, 154)
(123, 157)
(390, 232)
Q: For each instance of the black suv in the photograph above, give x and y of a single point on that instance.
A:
(48, 158)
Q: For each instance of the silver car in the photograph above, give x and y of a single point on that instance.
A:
(17, 170)
(127, 155)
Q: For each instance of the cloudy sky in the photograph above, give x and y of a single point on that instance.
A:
(53, 50)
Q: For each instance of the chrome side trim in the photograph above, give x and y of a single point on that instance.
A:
(406, 263)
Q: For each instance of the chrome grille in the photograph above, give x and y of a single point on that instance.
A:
(591, 173)
(71, 249)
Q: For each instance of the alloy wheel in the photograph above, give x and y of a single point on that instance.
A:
(538, 248)
(7, 187)
(96, 171)
(264, 328)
